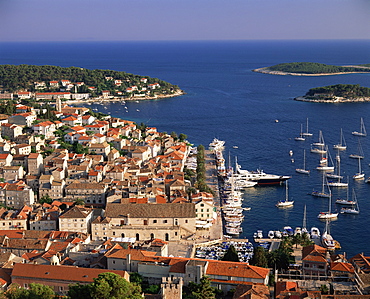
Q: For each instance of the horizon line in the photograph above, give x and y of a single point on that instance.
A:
(182, 40)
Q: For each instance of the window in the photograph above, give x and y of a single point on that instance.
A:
(155, 221)
(164, 221)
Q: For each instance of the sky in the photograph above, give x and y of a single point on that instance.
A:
(131, 20)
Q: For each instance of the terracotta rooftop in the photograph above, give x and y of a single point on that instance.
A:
(61, 273)
(165, 210)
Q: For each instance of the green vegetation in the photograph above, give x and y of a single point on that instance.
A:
(349, 91)
(314, 68)
(34, 291)
(22, 77)
(281, 257)
(202, 290)
(201, 184)
(231, 255)
(106, 286)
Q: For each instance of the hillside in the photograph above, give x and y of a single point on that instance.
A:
(311, 68)
(337, 93)
(37, 78)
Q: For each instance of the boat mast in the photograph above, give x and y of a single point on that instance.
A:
(304, 219)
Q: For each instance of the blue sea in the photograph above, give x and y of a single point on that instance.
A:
(225, 99)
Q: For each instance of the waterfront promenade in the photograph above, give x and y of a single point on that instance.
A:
(215, 232)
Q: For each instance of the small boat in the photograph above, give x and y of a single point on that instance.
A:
(321, 141)
(345, 201)
(303, 170)
(324, 162)
(285, 203)
(290, 153)
(271, 234)
(278, 234)
(329, 214)
(235, 146)
(326, 239)
(315, 233)
(259, 234)
(307, 134)
(362, 132)
(360, 152)
(354, 209)
(321, 193)
(338, 183)
(298, 231)
(288, 230)
(276, 120)
(359, 175)
(341, 146)
(300, 137)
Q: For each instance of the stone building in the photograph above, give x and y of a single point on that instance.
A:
(169, 222)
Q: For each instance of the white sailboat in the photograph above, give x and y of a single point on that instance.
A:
(324, 163)
(286, 202)
(362, 132)
(354, 209)
(300, 137)
(304, 223)
(359, 175)
(345, 201)
(360, 152)
(303, 170)
(326, 239)
(328, 214)
(319, 146)
(339, 177)
(321, 141)
(322, 193)
(341, 146)
(307, 134)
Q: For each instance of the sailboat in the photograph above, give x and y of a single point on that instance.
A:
(359, 175)
(360, 154)
(307, 134)
(304, 223)
(286, 202)
(362, 132)
(322, 193)
(354, 209)
(339, 177)
(329, 214)
(326, 239)
(341, 146)
(300, 138)
(319, 146)
(324, 161)
(303, 170)
(346, 201)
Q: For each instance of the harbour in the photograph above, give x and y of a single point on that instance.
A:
(253, 111)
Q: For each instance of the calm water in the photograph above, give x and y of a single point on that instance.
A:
(225, 99)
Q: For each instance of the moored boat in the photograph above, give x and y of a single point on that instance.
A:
(362, 132)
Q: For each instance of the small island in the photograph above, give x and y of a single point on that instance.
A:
(340, 93)
(80, 84)
(312, 69)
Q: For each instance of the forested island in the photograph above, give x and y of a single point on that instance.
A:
(48, 78)
(312, 69)
(339, 93)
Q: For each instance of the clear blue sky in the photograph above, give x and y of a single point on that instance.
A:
(93, 20)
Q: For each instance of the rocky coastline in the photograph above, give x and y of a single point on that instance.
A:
(120, 99)
(266, 70)
(332, 100)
